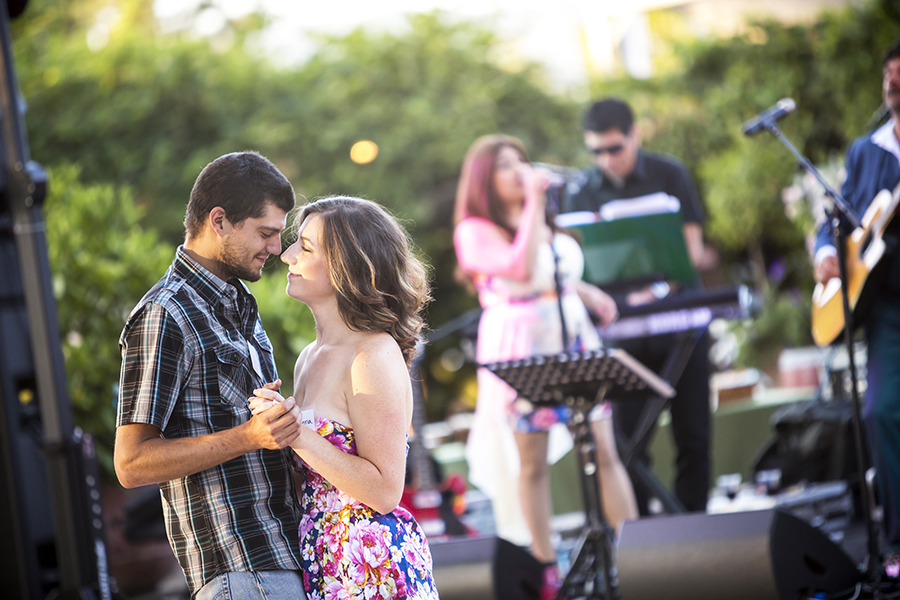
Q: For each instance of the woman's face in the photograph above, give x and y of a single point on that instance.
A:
(507, 177)
(308, 277)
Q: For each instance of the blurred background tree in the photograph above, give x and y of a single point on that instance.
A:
(140, 110)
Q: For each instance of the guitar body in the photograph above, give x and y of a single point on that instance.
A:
(428, 495)
(864, 249)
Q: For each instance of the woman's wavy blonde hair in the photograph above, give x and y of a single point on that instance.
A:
(380, 283)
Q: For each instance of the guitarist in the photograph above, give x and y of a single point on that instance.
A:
(873, 164)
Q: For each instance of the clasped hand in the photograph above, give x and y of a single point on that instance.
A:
(280, 416)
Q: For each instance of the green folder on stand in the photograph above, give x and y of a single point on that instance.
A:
(647, 247)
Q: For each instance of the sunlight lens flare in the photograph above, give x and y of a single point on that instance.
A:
(363, 152)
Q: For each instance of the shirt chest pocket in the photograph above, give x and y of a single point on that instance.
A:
(233, 379)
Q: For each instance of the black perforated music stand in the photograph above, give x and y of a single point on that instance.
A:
(581, 380)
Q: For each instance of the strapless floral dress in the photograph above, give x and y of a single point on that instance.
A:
(351, 551)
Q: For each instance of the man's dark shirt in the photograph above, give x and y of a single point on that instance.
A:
(652, 173)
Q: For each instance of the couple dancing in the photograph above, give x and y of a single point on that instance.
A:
(194, 349)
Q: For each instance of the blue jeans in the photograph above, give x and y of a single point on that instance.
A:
(882, 408)
(254, 585)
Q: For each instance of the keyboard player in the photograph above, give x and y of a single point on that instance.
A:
(626, 176)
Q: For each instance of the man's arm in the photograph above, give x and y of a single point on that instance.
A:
(149, 389)
(702, 256)
(142, 456)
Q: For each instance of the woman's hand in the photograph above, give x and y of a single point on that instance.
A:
(266, 397)
(535, 181)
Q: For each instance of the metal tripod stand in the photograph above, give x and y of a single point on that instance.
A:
(582, 380)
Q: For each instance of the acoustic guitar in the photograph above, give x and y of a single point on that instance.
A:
(864, 249)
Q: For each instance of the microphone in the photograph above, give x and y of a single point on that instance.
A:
(764, 120)
(558, 180)
(554, 196)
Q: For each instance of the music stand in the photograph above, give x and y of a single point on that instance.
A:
(581, 380)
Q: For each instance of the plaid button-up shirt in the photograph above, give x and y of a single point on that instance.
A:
(187, 368)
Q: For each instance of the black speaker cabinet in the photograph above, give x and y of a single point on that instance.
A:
(755, 555)
(517, 574)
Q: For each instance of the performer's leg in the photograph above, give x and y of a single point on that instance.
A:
(626, 416)
(883, 410)
(534, 492)
(691, 423)
(616, 491)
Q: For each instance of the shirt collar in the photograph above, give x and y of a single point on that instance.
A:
(639, 173)
(885, 138)
(210, 287)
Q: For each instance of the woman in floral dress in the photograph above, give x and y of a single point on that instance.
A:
(353, 266)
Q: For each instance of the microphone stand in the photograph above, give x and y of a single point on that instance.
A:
(553, 203)
(873, 569)
(557, 281)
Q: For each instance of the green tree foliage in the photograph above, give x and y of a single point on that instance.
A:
(149, 110)
(141, 111)
(832, 69)
(103, 260)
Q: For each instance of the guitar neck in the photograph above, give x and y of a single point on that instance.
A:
(422, 475)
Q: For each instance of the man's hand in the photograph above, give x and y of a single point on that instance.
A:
(276, 420)
(826, 269)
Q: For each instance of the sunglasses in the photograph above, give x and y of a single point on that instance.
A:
(611, 150)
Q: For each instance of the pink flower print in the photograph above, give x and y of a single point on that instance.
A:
(410, 554)
(334, 590)
(306, 525)
(402, 590)
(387, 589)
(369, 553)
(544, 417)
(325, 428)
(332, 540)
(403, 514)
(329, 503)
(329, 567)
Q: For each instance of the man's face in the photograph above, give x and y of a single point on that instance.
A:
(890, 88)
(614, 152)
(247, 246)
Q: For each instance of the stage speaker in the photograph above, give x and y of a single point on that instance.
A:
(517, 574)
(755, 555)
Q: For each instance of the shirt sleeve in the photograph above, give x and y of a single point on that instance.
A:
(825, 236)
(682, 187)
(152, 348)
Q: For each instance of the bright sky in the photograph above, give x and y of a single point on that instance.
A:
(550, 32)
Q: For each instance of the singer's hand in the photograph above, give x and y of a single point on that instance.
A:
(535, 181)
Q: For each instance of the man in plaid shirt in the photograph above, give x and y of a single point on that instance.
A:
(193, 351)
